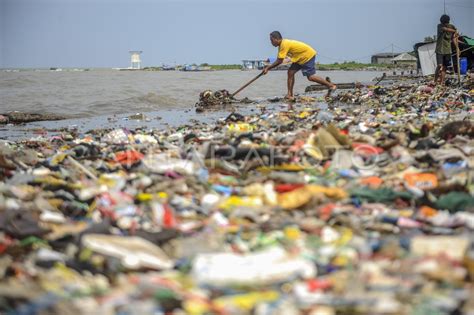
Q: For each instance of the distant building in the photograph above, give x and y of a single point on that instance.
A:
(405, 60)
(135, 61)
(383, 58)
(252, 64)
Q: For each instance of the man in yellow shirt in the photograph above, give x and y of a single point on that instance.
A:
(302, 58)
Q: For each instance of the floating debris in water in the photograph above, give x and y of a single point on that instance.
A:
(20, 117)
(209, 99)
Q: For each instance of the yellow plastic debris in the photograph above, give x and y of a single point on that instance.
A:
(236, 201)
(292, 233)
(246, 302)
(240, 128)
(301, 196)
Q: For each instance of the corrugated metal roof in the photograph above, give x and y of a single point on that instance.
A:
(386, 55)
(404, 57)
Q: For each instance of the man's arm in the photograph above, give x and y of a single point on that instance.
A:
(456, 38)
(450, 30)
(276, 63)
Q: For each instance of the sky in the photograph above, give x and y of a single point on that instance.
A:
(99, 33)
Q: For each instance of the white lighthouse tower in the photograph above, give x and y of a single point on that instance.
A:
(135, 61)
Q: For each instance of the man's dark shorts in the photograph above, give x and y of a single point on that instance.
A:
(308, 68)
(444, 60)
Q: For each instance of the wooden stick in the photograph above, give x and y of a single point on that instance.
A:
(457, 59)
(247, 84)
(381, 79)
(81, 168)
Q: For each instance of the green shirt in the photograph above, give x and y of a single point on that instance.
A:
(443, 44)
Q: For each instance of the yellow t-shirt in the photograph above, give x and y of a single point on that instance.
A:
(299, 52)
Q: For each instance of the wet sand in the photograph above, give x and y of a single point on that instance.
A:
(156, 119)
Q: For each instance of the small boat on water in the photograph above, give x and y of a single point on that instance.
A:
(196, 68)
(168, 68)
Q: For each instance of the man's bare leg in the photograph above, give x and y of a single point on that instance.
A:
(319, 80)
(443, 76)
(437, 74)
(291, 84)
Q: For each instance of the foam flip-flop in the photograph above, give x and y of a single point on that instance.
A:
(288, 99)
(330, 90)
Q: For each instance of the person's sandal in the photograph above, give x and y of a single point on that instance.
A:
(330, 90)
(290, 99)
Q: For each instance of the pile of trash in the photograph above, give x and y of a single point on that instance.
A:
(351, 210)
(405, 94)
(209, 99)
(21, 118)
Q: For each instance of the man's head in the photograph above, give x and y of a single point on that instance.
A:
(275, 38)
(444, 19)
